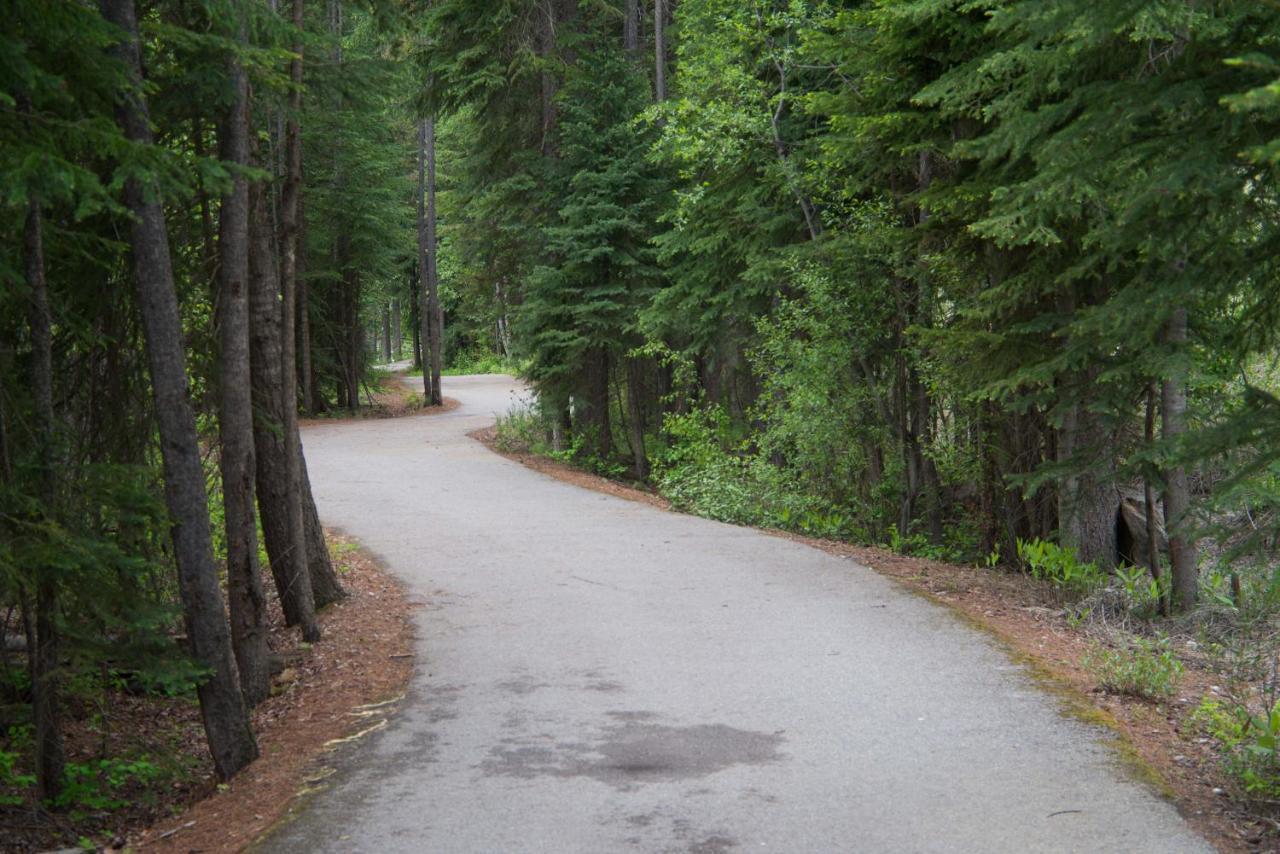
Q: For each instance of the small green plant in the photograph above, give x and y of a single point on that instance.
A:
(98, 785)
(1059, 566)
(1247, 743)
(1144, 594)
(1141, 668)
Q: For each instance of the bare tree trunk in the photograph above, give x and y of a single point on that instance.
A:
(386, 333)
(631, 27)
(226, 720)
(433, 272)
(50, 755)
(306, 372)
(397, 344)
(1183, 556)
(235, 417)
(424, 299)
(659, 50)
(1149, 499)
(635, 416)
(279, 502)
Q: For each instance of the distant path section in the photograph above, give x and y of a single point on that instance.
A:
(598, 675)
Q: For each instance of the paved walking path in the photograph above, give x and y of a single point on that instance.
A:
(596, 675)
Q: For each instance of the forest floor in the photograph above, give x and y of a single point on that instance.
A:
(323, 692)
(1157, 740)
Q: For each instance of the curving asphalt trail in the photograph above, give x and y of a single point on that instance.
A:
(596, 675)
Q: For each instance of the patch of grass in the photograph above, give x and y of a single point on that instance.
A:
(1142, 668)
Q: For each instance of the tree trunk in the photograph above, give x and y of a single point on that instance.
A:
(235, 417)
(635, 416)
(424, 299)
(278, 495)
(433, 274)
(1177, 494)
(1149, 500)
(325, 586)
(50, 755)
(631, 27)
(306, 371)
(396, 342)
(226, 720)
(659, 51)
(386, 333)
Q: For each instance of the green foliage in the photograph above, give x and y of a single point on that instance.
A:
(1059, 566)
(1248, 744)
(103, 784)
(1142, 668)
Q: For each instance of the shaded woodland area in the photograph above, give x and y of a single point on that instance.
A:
(982, 281)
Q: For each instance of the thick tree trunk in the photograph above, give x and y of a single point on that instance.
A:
(278, 496)
(306, 371)
(226, 720)
(235, 417)
(1149, 500)
(45, 704)
(325, 586)
(433, 271)
(1183, 556)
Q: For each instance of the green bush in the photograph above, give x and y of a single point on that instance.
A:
(1059, 566)
(1247, 743)
(1142, 668)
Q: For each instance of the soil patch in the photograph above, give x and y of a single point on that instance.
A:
(391, 398)
(1156, 741)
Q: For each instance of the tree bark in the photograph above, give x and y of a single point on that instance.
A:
(397, 343)
(433, 272)
(45, 704)
(1177, 494)
(226, 720)
(659, 51)
(424, 299)
(325, 586)
(386, 334)
(279, 502)
(631, 27)
(1149, 500)
(235, 418)
(635, 416)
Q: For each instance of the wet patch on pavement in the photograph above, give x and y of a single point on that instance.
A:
(637, 751)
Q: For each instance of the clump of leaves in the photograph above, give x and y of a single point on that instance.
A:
(1059, 566)
(1141, 668)
(1247, 744)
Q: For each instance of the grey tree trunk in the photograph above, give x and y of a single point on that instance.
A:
(45, 704)
(1177, 494)
(433, 271)
(631, 27)
(279, 502)
(235, 417)
(397, 344)
(386, 334)
(1149, 500)
(226, 721)
(424, 298)
(659, 50)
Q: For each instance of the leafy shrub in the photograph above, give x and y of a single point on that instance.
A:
(521, 430)
(698, 475)
(1059, 566)
(1143, 594)
(1247, 743)
(99, 785)
(1142, 668)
